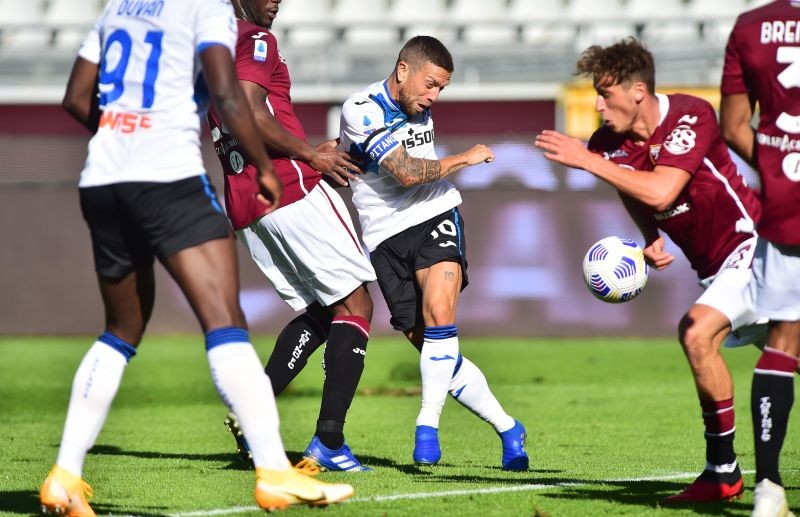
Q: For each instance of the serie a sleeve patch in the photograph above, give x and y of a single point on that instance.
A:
(260, 50)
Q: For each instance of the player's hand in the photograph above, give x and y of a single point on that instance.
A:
(655, 255)
(336, 164)
(479, 154)
(270, 189)
(563, 149)
(328, 145)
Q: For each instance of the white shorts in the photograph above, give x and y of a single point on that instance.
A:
(727, 292)
(309, 250)
(775, 284)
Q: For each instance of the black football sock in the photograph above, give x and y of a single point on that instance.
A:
(719, 420)
(771, 402)
(344, 362)
(296, 342)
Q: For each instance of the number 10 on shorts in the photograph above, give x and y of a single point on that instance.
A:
(446, 227)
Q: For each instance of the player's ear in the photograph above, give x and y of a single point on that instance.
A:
(639, 91)
(401, 72)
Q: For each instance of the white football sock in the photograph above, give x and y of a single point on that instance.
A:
(470, 388)
(245, 388)
(436, 363)
(93, 389)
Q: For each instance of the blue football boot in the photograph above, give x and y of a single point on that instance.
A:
(341, 459)
(426, 445)
(242, 448)
(514, 456)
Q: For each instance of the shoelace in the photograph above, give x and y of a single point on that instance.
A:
(307, 467)
(86, 489)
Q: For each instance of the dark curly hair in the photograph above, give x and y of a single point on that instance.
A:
(625, 61)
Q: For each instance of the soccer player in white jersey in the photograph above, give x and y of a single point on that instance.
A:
(144, 194)
(411, 225)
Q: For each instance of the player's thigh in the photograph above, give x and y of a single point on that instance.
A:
(309, 249)
(728, 294)
(265, 253)
(184, 224)
(785, 336)
(119, 245)
(208, 275)
(440, 285)
(775, 286)
(123, 261)
(128, 303)
(441, 266)
(398, 285)
(703, 327)
(442, 239)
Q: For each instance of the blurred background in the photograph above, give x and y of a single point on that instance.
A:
(528, 222)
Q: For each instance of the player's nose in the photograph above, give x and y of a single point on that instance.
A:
(599, 103)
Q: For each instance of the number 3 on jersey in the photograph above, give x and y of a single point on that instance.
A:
(112, 78)
(789, 78)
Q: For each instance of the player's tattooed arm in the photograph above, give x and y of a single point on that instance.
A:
(411, 171)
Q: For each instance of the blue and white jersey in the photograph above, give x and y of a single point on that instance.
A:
(372, 127)
(152, 95)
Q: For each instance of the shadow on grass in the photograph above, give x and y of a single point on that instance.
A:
(112, 450)
(237, 463)
(26, 502)
(650, 494)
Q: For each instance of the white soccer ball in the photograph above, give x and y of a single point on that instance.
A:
(614, 269)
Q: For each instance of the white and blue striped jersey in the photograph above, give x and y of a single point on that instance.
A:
(372, 127)
(152, 95)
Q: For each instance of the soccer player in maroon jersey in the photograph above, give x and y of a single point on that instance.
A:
(666, 157)
(762, 65)
(308, 248)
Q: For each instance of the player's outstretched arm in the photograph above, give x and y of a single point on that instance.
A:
(657, 189)
(415, 171)
(232, 107)
(735, 114)
(80, 99)
(328, 160)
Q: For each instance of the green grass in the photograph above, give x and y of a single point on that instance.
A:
(599, 414)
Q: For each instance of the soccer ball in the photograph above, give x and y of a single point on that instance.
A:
(614, 269)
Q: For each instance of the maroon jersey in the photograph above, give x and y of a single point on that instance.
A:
(762, 59)
(258, 61)
(715, 211)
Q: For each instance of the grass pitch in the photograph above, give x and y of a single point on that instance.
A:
(613, 427)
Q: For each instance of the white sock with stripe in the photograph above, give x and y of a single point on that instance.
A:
(471, 389)
(245, 388)
(93, 390)
(436, 363)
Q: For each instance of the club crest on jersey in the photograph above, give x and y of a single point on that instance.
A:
(681, 140)
(260, 50)
(655, 151)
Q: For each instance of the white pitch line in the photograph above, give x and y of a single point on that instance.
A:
(474, 491)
